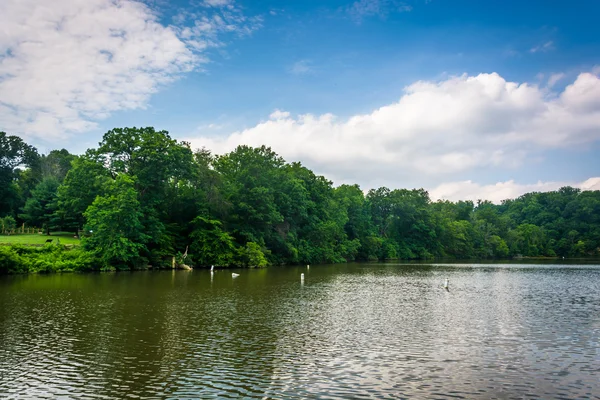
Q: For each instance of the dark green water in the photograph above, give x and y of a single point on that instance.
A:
(350, 331)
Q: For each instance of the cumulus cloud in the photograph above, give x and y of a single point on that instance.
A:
(435, 131)
(64, 65)
(468, 190)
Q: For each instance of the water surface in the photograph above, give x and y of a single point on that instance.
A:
(350, 331)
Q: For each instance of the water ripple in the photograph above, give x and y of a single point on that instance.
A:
(356, 331)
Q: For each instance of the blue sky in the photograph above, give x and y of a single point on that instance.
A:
(469, 99)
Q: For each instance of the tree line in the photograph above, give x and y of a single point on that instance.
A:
(141, 197)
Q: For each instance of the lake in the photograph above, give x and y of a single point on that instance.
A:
(380, 330)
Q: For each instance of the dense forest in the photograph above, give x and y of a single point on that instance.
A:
(140, 198)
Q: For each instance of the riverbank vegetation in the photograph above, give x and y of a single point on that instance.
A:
(49, 258)
(141, 198)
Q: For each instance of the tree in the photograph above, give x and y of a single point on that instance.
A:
(14, 153)
(252, 256)
(41, 206)
(159, 165)
(56, 164)
(82, 184)
(7, 224)
(359, 226)
(147, 196)
(251, 178)
(210, 244)
(116, 234)
(155, 159)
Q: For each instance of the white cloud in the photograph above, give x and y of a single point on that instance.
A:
(436, 131)
(543, 48)
(468, 190)
(277, 115)
(218, 3)
(554, 78)
(302, 67)
(202, 29)
(65, 65)
(369, 8)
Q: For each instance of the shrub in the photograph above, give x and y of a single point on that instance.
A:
(11, 262)
(50, 258)
(252, 256)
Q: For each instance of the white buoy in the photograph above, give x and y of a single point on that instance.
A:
(234, 275)
(446, 284)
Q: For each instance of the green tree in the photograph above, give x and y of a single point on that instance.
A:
(351, 199)
(160, 166)
(211, 244)
(56, 164)
(8, 224)
(14, 154)
(252, 256)
(82, 184)
(113, 221)
(40, 208)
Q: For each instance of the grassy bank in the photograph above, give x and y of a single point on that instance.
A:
(18, 259)
(37, 239)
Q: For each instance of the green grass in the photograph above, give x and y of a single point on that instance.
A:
(35, 238)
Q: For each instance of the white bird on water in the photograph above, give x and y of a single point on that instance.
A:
(212, 269)
(446, 284)
(234, 275)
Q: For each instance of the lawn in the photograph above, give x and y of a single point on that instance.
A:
(36, 238)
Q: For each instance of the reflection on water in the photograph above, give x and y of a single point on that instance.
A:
(349, 331)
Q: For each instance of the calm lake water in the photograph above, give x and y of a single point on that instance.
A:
(350, 331)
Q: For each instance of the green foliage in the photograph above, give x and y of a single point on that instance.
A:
(117, 236)
(56, 164)
(144, 198)
(82, 184)
(252, 256)
(7, 224)
(210, 244)
(162, 169)
(11, 262)
(14, 153)
(40, 208)
(50, 258)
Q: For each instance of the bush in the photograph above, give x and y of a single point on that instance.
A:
(252, 256)
(7, 224)
(50, 258)
(11, 262)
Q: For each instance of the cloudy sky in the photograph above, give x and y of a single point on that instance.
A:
(468, 99)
